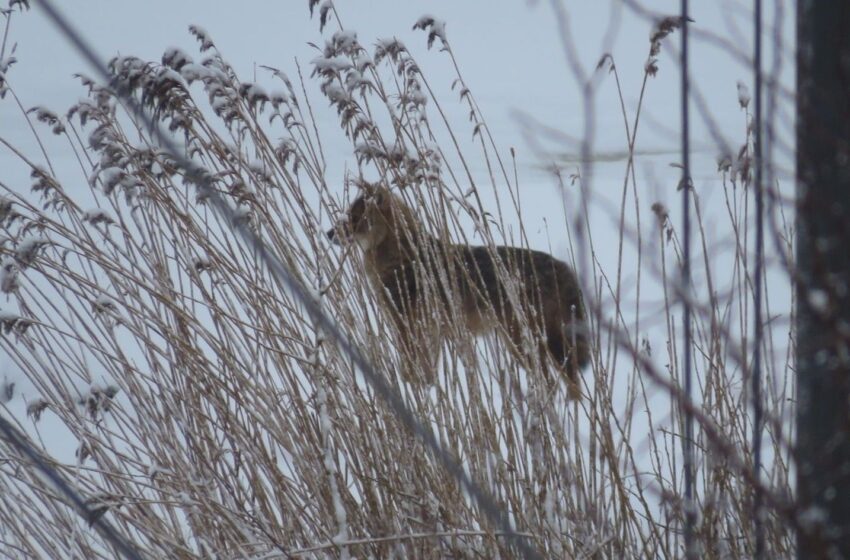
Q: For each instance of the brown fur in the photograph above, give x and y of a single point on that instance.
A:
(424, 284)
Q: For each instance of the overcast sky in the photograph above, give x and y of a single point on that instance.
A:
(510, 53)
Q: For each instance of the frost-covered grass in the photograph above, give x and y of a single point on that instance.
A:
(213, 419)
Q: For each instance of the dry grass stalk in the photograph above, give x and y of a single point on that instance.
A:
(209, 408)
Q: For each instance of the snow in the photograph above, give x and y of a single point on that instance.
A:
(242, 215)
(416, 98)
(391, 48)
(27, 250)
(743, 95)
(362, 61)
(724, 162)
(355, 79)
(176, 58)
(220, 103)
(201, 264)
(201, 34)
(97, 216)
(155, 470)
(12, 322)
(258, 167)
(435, 27)
(84, 108)
(110, 177)
(6, 208)
(336, 94)
(345, 40)
(253, 92)
(45, 115)
(36, 407)
(103, 303)
(278, 98)
(369, 150)
(101, 137)
(325, 6)
(9, 276)
(336, 64)
(6, 317)
(192, 72)
(166, 75)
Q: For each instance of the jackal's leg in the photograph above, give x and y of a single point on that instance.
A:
(565, 359)
(551, 343)
(418, 349)
(519, 345)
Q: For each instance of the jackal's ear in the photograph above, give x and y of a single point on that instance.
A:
(366, 188)
(377, 196)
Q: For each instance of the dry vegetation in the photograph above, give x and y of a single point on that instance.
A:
(213, 419)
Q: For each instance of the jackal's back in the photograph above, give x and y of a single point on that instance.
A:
(546, 289)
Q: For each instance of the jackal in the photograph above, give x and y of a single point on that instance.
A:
(430, 287)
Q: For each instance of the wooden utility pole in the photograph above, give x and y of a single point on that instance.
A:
(823, 278)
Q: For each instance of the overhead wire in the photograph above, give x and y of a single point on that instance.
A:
(686, 185)
(758, 328)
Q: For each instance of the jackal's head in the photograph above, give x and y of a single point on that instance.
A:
(373, 216)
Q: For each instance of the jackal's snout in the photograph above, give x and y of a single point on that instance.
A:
(363, 222)
(340, 232)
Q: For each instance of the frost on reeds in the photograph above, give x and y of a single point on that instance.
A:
(212, 418)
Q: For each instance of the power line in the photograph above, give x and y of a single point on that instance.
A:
(757, 296)
(687, 441)
(18, 441)
(200, 178)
